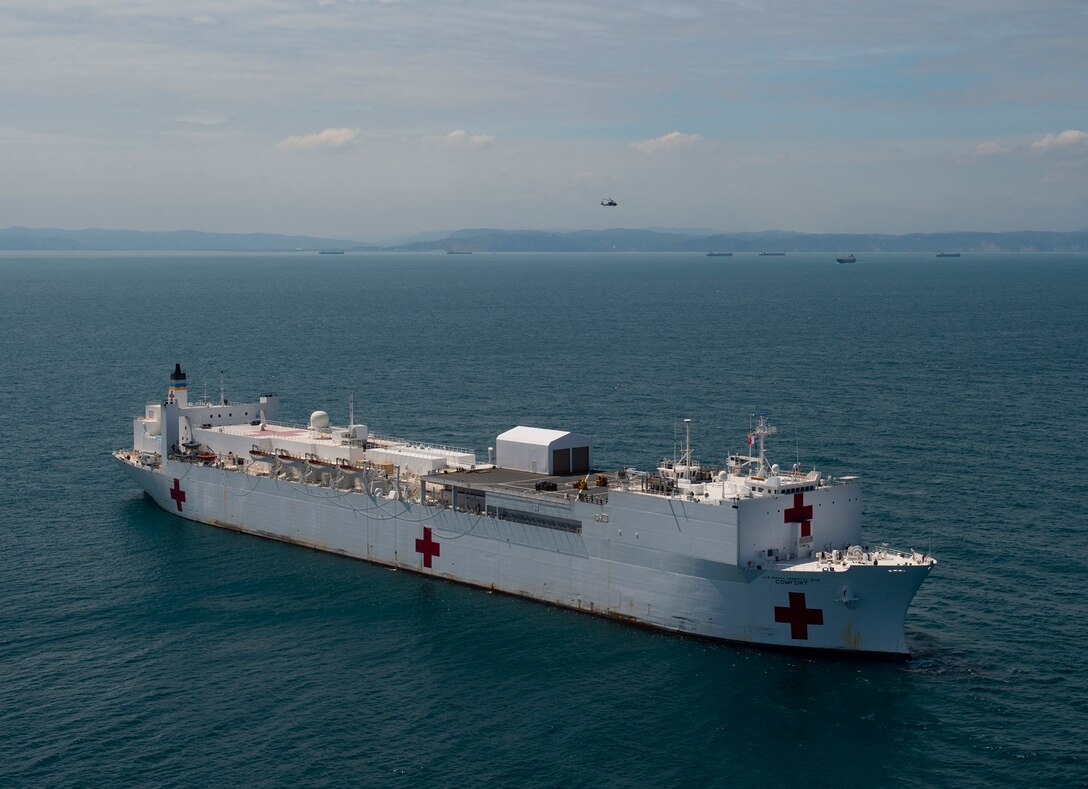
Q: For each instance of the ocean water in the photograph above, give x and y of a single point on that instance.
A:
(137, 648)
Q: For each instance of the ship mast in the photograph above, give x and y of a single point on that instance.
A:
(763, 429)
(687, 448)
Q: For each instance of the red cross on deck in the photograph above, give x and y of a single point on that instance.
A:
(800, 513)
(797, 616)
(177, 494)
(428, 547)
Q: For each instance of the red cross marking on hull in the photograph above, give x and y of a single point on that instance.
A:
(800, 513)
(797, 616)
(428, 547)
(177, 494)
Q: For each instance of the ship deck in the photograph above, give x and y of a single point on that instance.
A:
(523, 484)
(267, 430)
(494, 477)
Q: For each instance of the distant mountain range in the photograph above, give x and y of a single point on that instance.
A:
(97, 239)
(488, 240)
(621, 240)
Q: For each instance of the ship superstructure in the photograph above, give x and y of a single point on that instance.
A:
(746, 551)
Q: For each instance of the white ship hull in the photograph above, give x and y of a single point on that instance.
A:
(662, 561)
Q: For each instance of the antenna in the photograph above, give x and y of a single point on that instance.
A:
(687, 448)
(674, 443)
(222, 388)
(351, 410)
(763, 429)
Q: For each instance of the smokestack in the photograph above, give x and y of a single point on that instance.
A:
(179, 389)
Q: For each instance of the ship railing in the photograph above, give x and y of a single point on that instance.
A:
(378, 438)
(898, 553)
(565, 496)
(863, 554)
(291, 425)
(590, 496)
(799, 476)
(420, 445)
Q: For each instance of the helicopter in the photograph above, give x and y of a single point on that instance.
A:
(609, 202)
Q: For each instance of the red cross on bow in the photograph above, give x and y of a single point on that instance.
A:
(800, 513)
(428, 547)
(177, 494)
(797, 616)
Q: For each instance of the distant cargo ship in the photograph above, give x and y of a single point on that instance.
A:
(848, 259)
(948, 254)
(765, 254)
(458, 252)
(330, 252)
(747, 551)
(719, 254)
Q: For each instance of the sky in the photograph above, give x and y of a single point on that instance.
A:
(374, 119)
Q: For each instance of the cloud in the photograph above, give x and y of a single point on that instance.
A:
(330, 138)
(201, 118)
(1063, 140)
(667, 142)
(461, 137)
(990, 149)
(327, 3)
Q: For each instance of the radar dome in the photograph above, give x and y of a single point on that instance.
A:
(319, 420)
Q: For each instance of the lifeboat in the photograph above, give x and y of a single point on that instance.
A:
(290, 461)
(319, 466)
(351, 471)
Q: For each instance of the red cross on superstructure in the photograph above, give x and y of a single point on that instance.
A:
(800, 513)
(428, 547)
(177, 494)
(797, 616)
